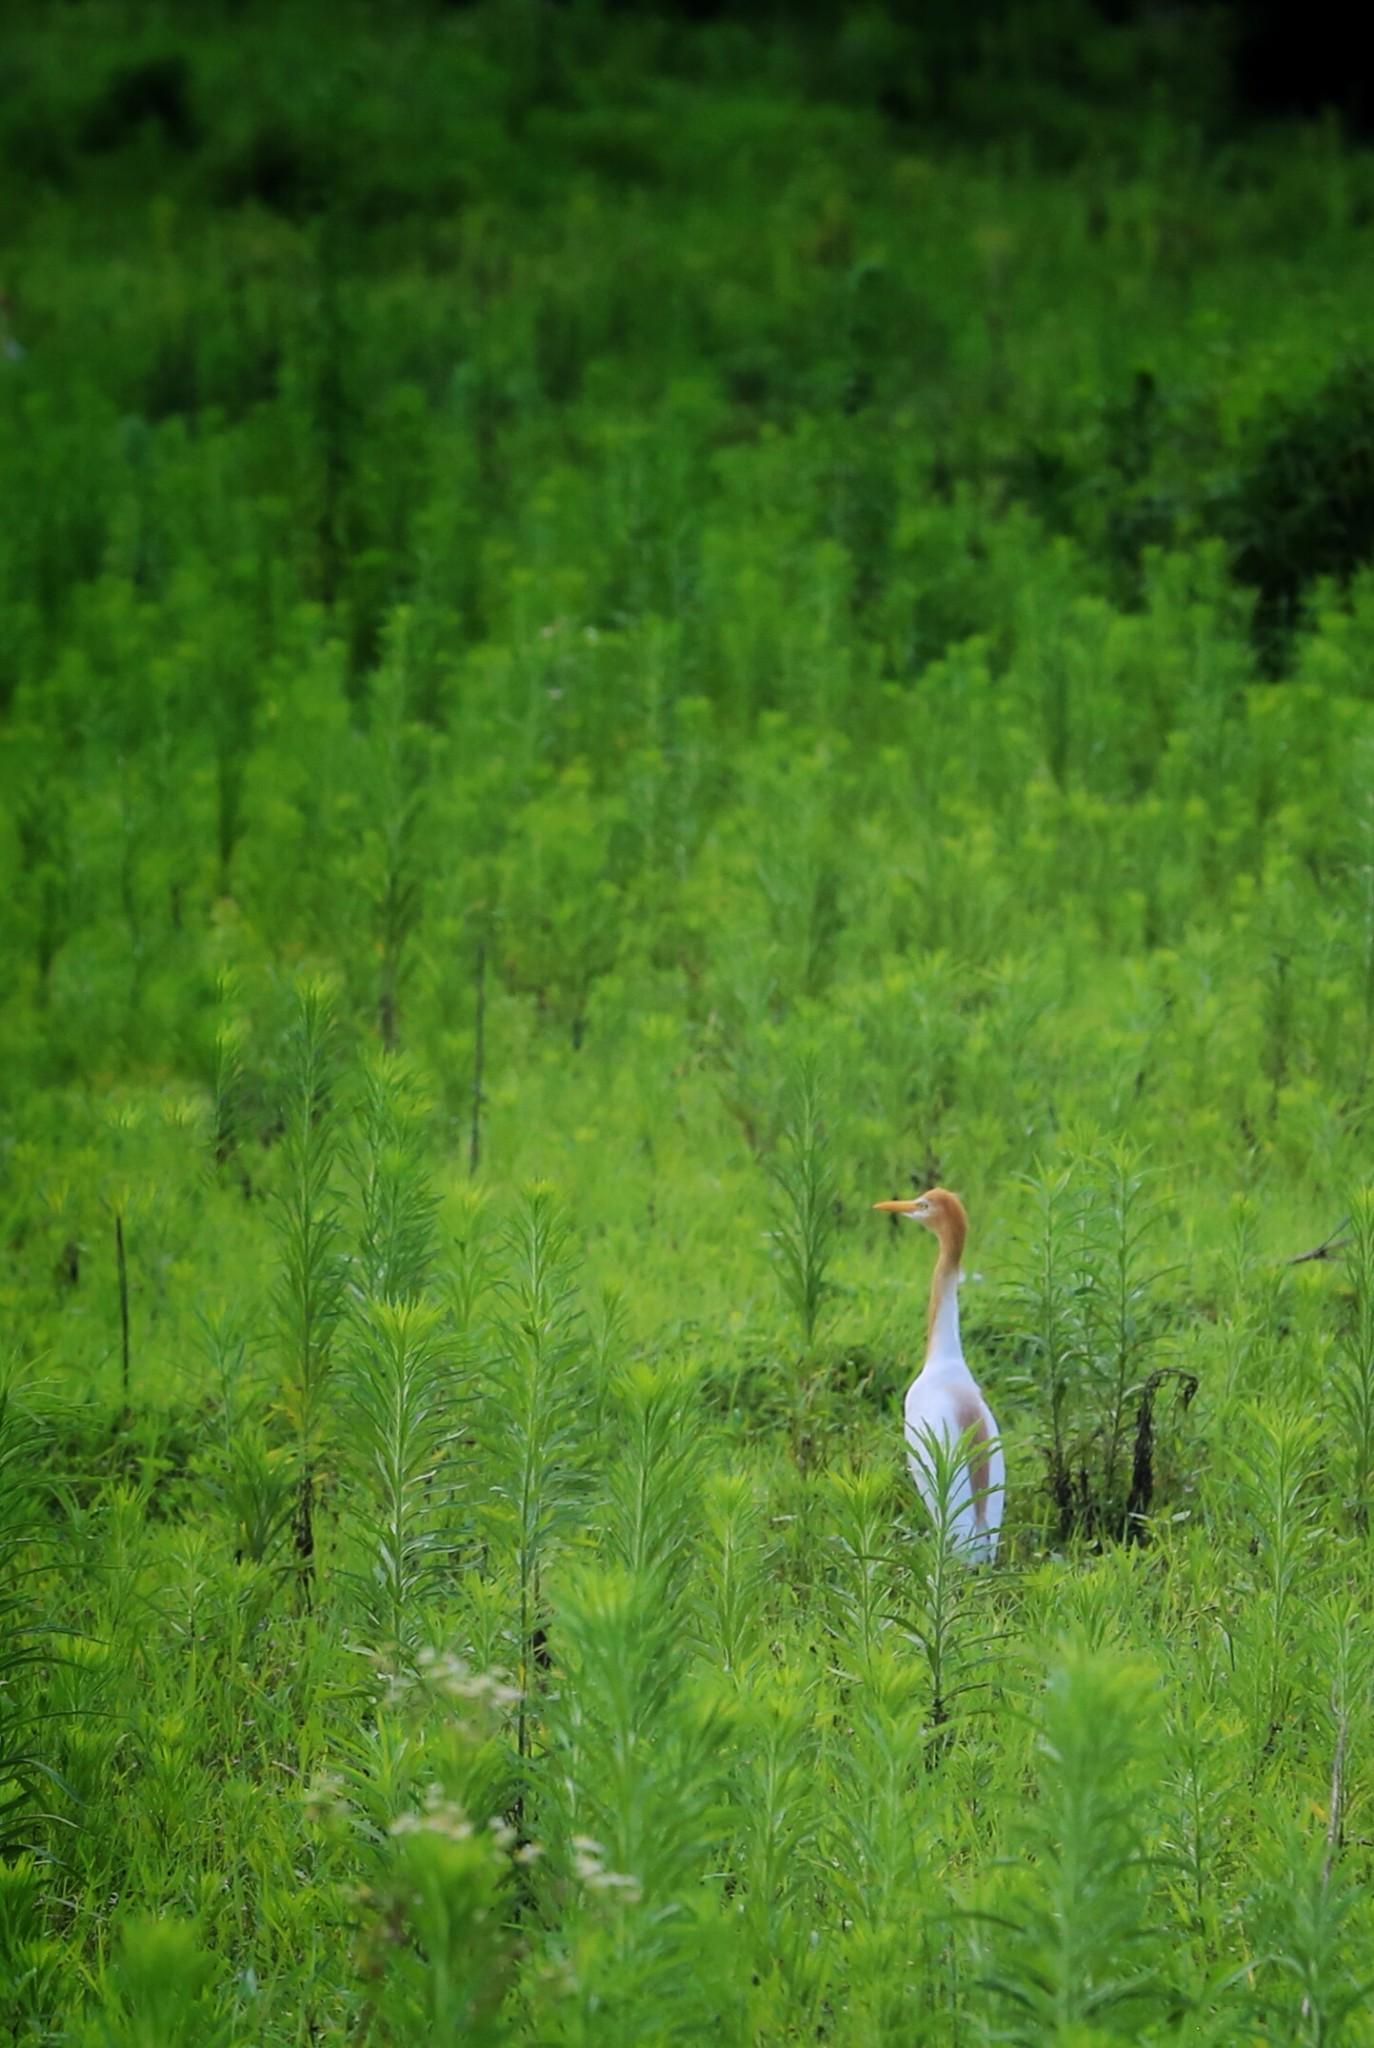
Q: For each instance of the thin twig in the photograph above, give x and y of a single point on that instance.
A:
(123, 1266)
(478, 1056)
(1330, 1247)
(1333, 1823)
(1333, 1819)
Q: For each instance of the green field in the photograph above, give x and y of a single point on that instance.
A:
(618, 637)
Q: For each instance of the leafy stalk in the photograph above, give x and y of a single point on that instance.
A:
(393, 862)
(1275, 1471)
(533, 1424)
(1073, 1950)
(1354, 1372)
(1049, 1299)
(395, 1194)
(654, 1482)
(807, 1187)
(401, 1417)
(309, 1296)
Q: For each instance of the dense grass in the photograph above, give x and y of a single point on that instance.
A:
(617, 638)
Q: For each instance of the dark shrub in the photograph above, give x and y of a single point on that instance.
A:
(278, 169)
(158, 90)
(1305, 507)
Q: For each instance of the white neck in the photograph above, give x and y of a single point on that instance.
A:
(943, 1347)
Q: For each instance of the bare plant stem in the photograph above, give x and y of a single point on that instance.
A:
(1335, 1815)
(123, 1265)
(478, 1055)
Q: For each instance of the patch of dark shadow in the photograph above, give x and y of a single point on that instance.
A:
(276, 168)
(1131, 428)
(173, 381)
(750, 377)
(381, 201)
(1043, 479)
(1302, 67)
(619, 149)
(898, 103)
(1135, 521)
(35, 147)
(154, 93)
(559, 347)
(1304, 507)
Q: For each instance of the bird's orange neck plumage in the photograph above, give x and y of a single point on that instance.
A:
(942, 1317)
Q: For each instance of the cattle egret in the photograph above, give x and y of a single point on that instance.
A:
(952, 1442)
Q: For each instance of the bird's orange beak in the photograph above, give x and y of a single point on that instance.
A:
(899, 1208)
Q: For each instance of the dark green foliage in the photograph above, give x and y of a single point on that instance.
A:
(1304, 509)
(1089, 1308)
(155, 92)
(275, 167)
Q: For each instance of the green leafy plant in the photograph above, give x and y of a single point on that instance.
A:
(401, 1420)
(23, 1769)
(533, 1429)
(394, 845)
(397, 1244)
(1354, 1373)
(805, 1180)
(249, 1474)
(309, 1297)
(436, 1927)
(1073, 1947)
(1277, 1493)
(653, 1485)
(1089, 1298)
(947, 1608)
(737, 1553)
(635, 1792)
(1049, 1299)
(158, 1988)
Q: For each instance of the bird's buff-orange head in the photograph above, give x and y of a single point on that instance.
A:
(941, 1212)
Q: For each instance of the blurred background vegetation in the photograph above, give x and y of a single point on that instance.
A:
(734, 610)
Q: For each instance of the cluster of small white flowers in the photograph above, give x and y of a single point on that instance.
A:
(440, 1671)
(438, 1816)
(590, 1869)
(324, 1798)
